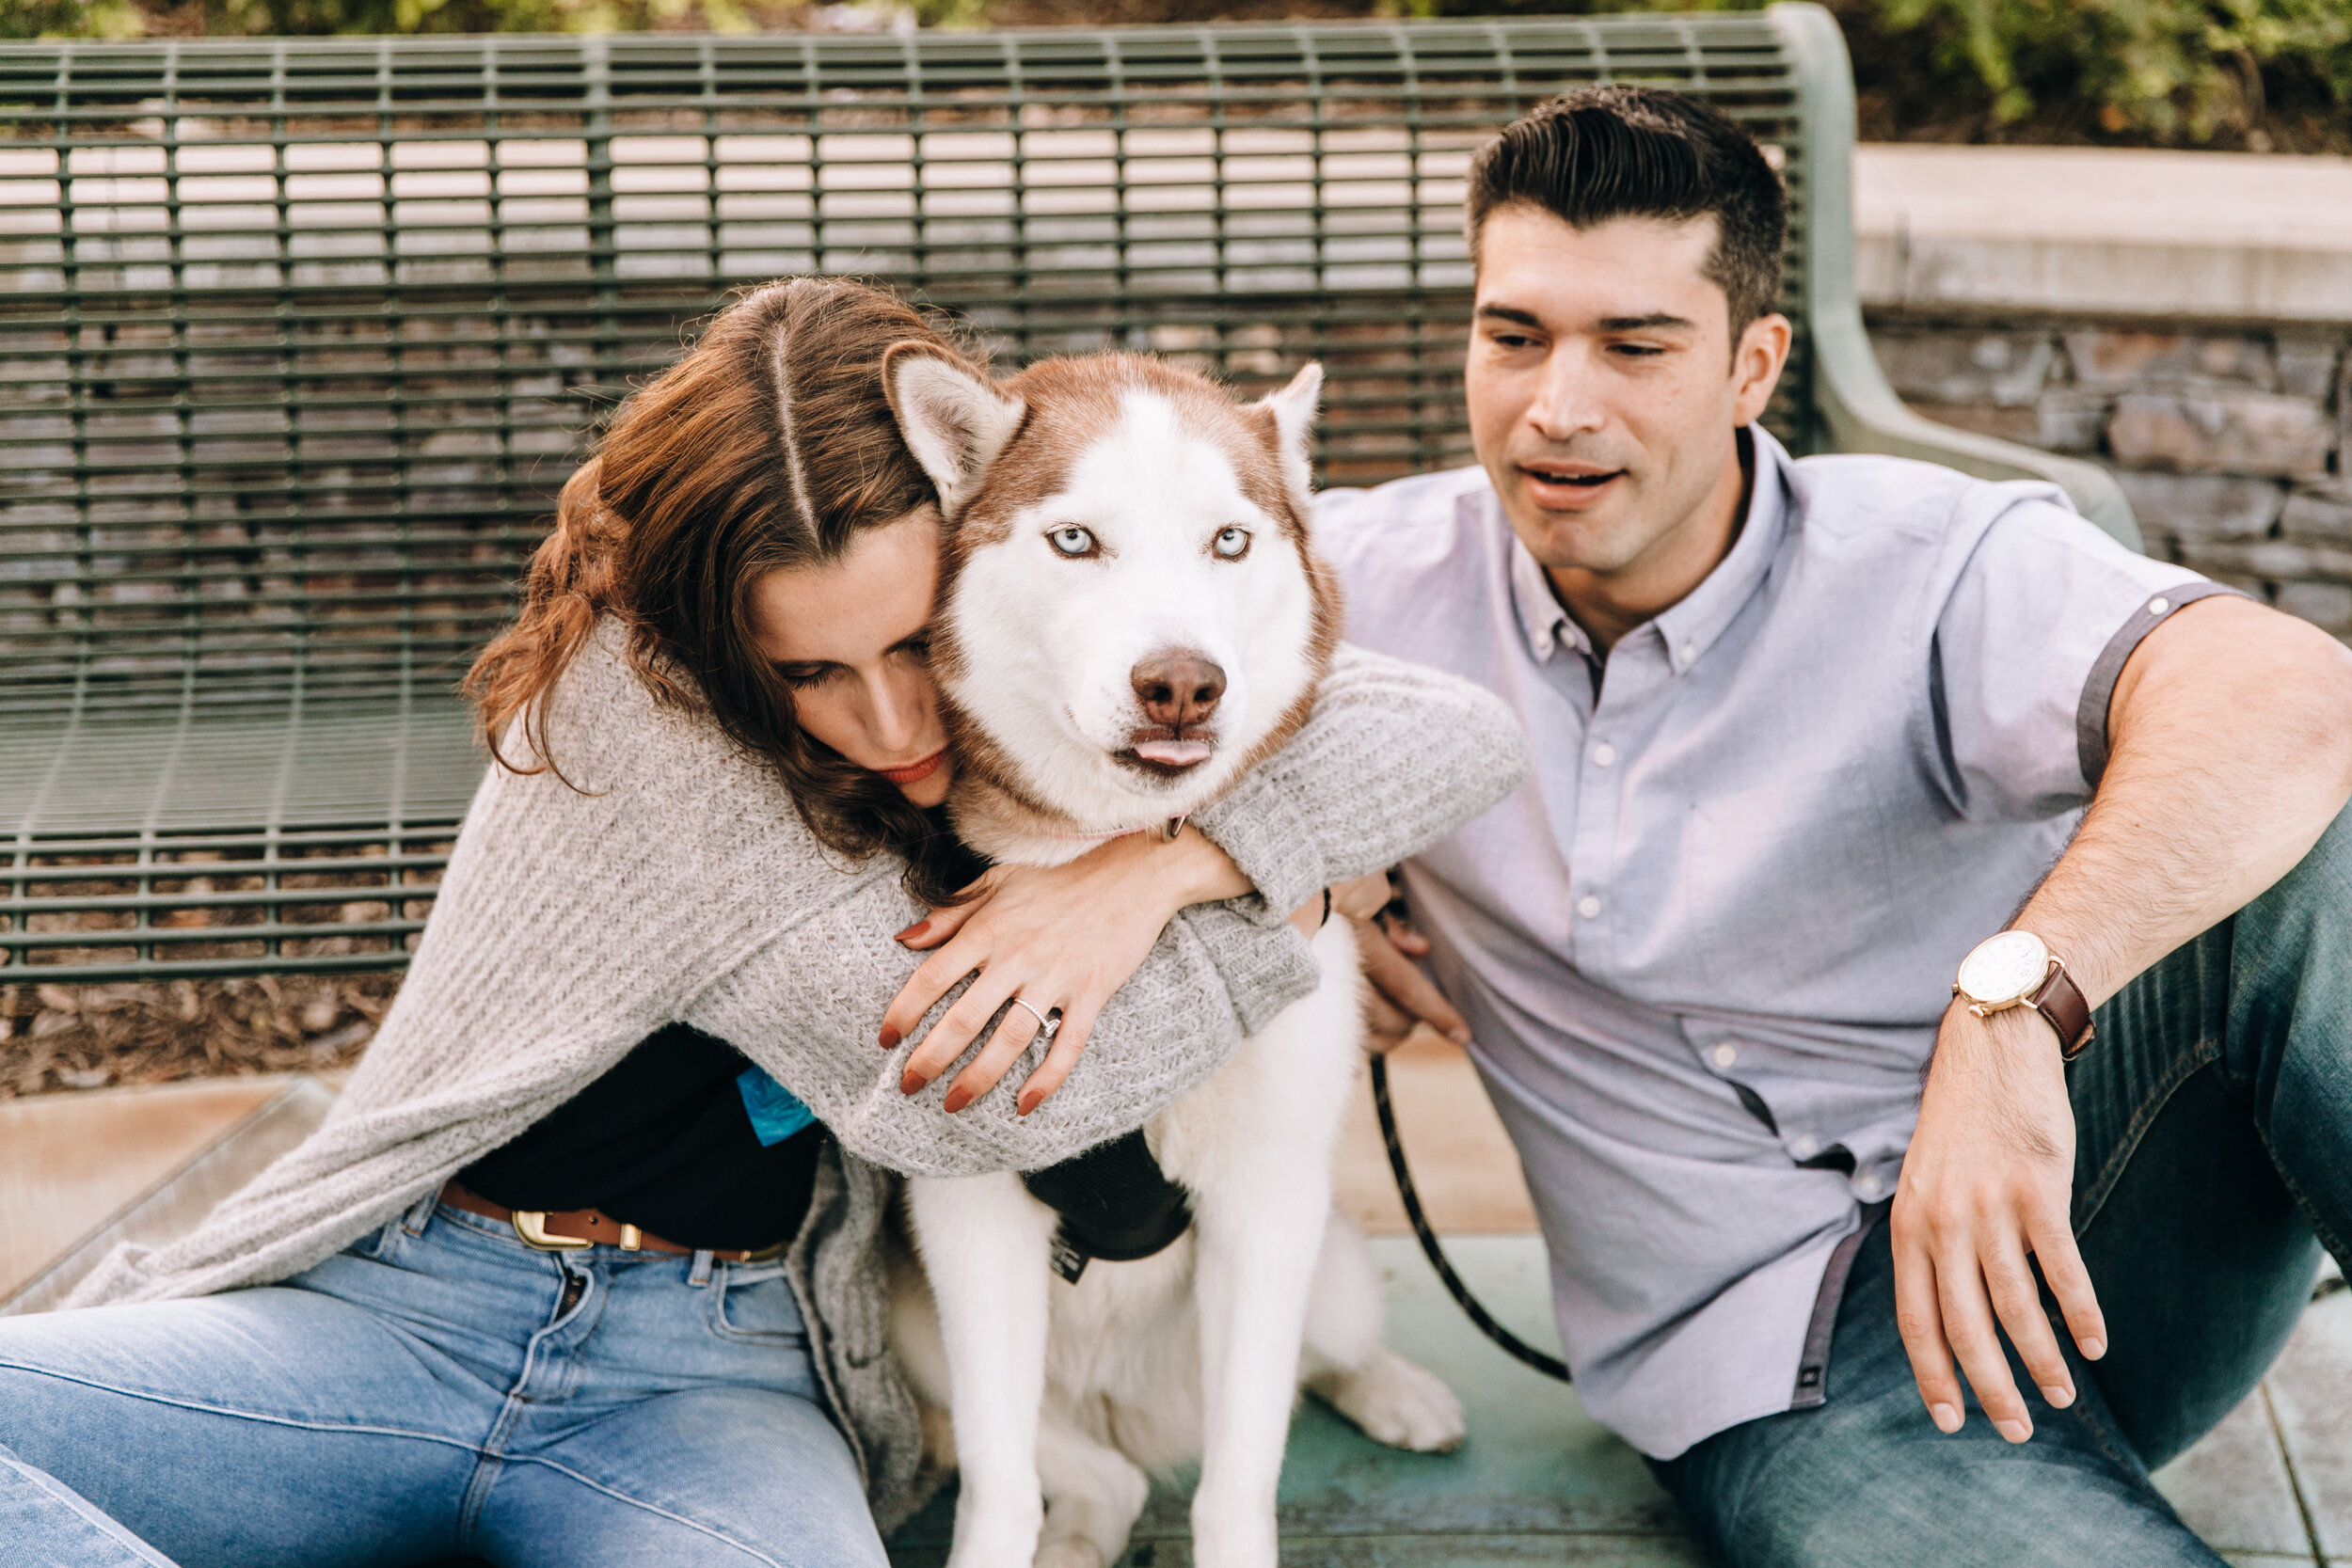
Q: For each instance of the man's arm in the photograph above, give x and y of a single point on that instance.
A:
(2231, 736)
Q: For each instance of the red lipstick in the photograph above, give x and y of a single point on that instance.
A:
(914, 772)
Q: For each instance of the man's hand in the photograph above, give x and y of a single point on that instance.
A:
(2231, 756)
(1988, 1179)
(1401, 994)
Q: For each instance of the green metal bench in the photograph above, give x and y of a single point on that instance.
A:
(298, 340)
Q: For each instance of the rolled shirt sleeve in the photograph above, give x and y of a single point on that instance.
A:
(2042, 615)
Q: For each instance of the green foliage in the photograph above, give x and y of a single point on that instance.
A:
(76, 19)
(2163, 71)
(297, 18)
(2164, 68)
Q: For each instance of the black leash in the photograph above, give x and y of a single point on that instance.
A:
(1551, 1366)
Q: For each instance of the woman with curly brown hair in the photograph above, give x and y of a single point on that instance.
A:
(583, 1267)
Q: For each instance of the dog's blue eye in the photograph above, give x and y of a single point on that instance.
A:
(1072, 541)
(1233, 542)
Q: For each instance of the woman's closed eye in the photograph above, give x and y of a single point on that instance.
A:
(806, 678)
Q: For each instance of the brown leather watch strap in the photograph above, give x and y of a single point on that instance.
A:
(2061, 1002)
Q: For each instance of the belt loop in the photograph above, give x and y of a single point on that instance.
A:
(420, 1211)
(700, 1275)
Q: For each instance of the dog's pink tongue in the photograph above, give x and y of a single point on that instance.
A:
(1174, 754)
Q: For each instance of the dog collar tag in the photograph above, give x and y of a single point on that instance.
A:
(1068, 1260)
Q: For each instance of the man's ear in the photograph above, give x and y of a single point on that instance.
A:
(1756, 361)
(1293, 413)
(955, 421)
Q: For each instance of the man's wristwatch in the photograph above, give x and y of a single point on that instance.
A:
(2016, 969)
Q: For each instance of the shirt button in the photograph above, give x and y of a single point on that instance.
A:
(1589, 906)
(1725, 1055)
(1690, 652)
(1808, 1146)
(1869, 1186)
(1603, 755)
(2157, 607)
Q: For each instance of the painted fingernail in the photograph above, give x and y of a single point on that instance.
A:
(913, 931)
(957, 1098)
(2012, 1429)
(1030, 1101)
(912, 1082)
(890, 1038)
(1946, 1417)
(2092, 1349)
(2058, 1394)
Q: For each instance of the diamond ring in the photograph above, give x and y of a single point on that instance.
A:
(1050, 1023)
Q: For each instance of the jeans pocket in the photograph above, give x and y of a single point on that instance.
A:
(754, 1306)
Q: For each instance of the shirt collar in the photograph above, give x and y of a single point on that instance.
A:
(1545, 625)
(1691, 627)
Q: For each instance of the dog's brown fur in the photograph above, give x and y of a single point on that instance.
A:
(1069, 404)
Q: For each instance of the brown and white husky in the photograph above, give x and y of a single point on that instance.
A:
(1131, 614)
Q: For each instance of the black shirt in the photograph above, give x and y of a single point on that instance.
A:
(662, 1141)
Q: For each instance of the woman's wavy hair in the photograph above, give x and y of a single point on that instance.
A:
(770, 445)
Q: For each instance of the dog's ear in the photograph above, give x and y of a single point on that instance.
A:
(1293, 409)
(955, 421)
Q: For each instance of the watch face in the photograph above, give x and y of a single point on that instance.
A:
(2004, 968)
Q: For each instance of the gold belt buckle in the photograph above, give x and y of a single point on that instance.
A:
(530, 1229)
(531, 1226)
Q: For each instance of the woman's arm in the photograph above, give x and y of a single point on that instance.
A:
(804, 1005)
(1396, 757)
(1393, 757)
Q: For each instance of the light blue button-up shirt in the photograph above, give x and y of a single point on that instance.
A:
(1705, 950)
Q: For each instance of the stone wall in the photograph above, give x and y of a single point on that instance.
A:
(2235, 447)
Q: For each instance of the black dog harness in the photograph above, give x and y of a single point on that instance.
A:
(1115, 1204)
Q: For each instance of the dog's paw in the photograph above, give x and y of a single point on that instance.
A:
(1398, 1403)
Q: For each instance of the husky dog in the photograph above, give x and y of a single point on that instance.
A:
(1130, 615)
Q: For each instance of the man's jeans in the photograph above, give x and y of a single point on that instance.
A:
(2214, 1157)
(425, 1395)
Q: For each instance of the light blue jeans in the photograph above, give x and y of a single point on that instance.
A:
(427, 1394)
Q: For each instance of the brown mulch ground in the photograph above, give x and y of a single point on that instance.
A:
(55, 1037)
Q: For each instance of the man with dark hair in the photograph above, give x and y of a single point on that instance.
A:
(1854, 775)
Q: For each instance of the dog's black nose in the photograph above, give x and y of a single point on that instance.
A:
(1178, 688)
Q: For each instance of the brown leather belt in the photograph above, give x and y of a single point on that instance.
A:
(569, 1229)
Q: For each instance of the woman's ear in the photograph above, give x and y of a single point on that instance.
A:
(955, 421)
(1294, 412)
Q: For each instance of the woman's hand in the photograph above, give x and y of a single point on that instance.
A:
(1066, 936)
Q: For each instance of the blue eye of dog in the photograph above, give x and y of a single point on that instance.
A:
(1073, 541)
(1233, 542)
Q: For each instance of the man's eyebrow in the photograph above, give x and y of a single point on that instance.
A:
(1508, 313)
(1657, 321)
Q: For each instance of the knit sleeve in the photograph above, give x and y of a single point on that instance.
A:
(1395, 757)
(806, 1006)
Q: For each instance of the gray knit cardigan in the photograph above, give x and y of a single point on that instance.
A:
(676, 884)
